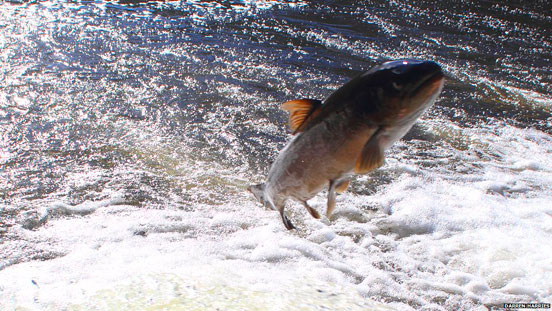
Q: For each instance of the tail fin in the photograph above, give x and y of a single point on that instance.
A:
(258, 192)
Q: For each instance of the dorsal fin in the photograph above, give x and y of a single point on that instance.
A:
(301, 111)
(370, 158)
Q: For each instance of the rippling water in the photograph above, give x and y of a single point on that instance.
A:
(142, 123)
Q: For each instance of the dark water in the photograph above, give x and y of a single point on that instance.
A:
(81, 80)
(179, 101)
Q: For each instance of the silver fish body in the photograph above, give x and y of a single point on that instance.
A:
(348, 133)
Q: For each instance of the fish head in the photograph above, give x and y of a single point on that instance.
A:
(398, 92)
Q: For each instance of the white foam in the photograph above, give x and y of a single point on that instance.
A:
(473, 238)
(108, 264)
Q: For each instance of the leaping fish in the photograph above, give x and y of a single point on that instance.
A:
(348, 132)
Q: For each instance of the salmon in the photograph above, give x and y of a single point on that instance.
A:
(347, 133)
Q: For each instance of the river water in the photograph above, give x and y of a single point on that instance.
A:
(129, 132)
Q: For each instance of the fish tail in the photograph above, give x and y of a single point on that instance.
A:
(261, 195)
(258, 192)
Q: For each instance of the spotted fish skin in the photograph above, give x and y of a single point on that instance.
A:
(348, 132)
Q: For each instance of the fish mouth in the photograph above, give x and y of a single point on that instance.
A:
(426, 80)
(431, 85)
(427, 77)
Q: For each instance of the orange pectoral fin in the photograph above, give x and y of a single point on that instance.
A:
(370, 158)
(301, 111)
